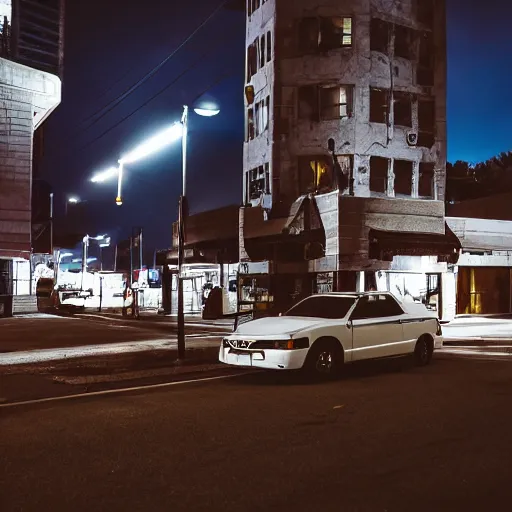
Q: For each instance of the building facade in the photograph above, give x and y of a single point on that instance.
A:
(345, 151)
(31, 55)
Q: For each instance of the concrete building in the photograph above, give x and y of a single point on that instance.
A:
(31, 53)
(345, 152)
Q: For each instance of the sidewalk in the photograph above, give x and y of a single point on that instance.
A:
(478, 330)
(153, 319)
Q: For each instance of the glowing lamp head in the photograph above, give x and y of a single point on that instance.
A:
(119, 201)
(73, 200)
(206, 107)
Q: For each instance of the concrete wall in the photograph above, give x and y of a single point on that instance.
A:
(289, 137)
(356, 66)
(347, 221)
(27, 97)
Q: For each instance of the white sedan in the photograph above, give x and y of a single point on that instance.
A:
(322, 332)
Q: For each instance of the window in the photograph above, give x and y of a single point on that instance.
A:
(322, 307)
(262, 51)
(286, 109)
(402, 109)
(379, 36)
(376, 306)
(250, 124)
(403, 42)
(324, 34)
(335, 33)
(379, 105)
(269, 46)
(426, 180)
(252, 60)
(318, 103)
(265, 112)
(425, 70)
(426, 122)
(379, 174)
(315, 173)
(258, 182)
(334, 102)
(309, 35)
(261, 110)
(403, 177)
(257, 116)
(308, 103)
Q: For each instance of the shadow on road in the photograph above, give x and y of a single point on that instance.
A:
(353, 371)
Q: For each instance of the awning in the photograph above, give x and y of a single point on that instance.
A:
(283, 237)
(386, 244)
(212, 228)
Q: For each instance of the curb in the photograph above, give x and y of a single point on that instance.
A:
(480, 342)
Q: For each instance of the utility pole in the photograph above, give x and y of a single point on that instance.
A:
(51, 223)
(181, 238)
(141, 254)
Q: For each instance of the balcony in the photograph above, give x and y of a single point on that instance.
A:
(33, 34)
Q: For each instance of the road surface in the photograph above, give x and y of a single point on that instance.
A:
(386, 437)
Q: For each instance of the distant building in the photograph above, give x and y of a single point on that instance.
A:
(335, 215)
(31, 54)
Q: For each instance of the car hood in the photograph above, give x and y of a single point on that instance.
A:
(277, 325)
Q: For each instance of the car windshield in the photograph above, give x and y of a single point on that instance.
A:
(323, 307)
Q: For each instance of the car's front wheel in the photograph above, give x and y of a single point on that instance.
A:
(325, 359)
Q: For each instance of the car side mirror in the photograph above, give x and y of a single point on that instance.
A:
(349, 324)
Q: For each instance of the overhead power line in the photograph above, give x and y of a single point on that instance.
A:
(102, 112)
(156, 95)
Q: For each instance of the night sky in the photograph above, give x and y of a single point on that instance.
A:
(111, 44)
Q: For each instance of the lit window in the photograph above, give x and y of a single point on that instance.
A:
(322, 103)
(334, 102)
(324, 34)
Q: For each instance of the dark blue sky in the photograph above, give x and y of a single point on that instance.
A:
(111, 44)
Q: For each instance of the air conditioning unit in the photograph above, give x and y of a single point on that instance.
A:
(412, 138)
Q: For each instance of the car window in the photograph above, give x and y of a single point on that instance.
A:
(376, 306)
(391, 307)
(322, 307)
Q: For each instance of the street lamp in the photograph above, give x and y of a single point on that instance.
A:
(152, 145)
(159, 141)
(71, 200)
(205, 110)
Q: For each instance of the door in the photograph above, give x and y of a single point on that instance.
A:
(376, 328)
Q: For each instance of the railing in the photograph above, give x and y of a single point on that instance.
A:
(35, 35)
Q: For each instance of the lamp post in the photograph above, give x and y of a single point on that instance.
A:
(205, 110)
(166, 137)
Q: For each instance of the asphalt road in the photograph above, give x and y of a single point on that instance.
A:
(386, 437)
(45, 331)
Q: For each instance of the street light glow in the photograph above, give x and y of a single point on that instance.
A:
(103, 176)
(154, 144)
(73, 200)
(206, 112)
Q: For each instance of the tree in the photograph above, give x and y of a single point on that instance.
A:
(465, 181)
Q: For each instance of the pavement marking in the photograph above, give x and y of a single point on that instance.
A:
(122, 390)
(58, 354)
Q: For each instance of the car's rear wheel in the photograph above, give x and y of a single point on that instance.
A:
(325, 359)
(423, 351)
